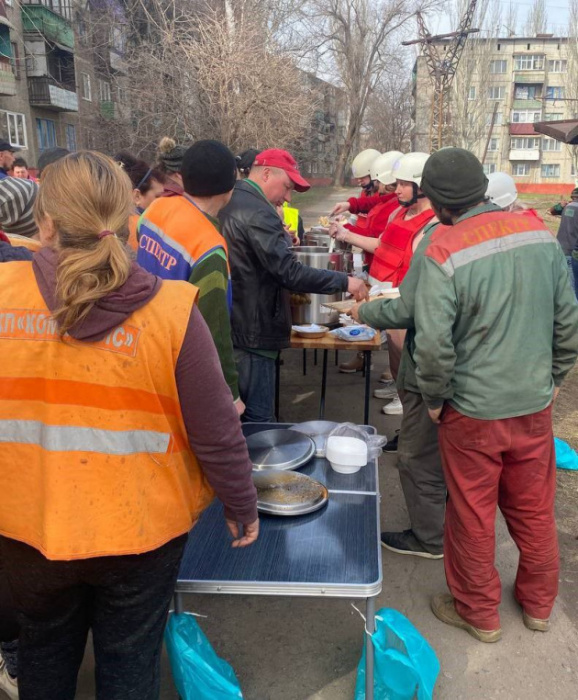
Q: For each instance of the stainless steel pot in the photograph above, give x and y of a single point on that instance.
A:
(307, 308)
(317, 238)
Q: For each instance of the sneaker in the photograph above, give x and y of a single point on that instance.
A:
(391, 446)
(355, 365)
(393, 408)
(406, 543)
(8, 684)
(389, 391)
(443, 608)
(386, 377)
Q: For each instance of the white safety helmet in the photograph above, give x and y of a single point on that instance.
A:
(361, 166)
(501, 189)
(410, 167)
(382, 167)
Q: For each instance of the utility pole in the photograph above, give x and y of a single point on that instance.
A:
(442, 66)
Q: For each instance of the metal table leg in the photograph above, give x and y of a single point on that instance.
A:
(277, 384)
(304, 363)
(315, 357)
(336, 357)
(323, 385)
(179, 604)
(370, 627)
(367, 366)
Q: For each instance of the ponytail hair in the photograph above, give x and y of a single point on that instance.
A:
(88, 199)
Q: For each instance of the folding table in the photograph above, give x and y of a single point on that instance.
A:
(334, 552)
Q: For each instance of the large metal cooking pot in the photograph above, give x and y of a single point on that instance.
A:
(307, 308)
(317, 238)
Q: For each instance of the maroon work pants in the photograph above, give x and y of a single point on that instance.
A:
(508, 463)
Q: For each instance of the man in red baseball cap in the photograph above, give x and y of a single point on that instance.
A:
(263, 270)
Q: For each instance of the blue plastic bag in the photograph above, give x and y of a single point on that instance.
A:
(354, 333)
(566, 458)
(198, 672)
(405, 665)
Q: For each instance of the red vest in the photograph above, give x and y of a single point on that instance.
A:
(392, 258)
(376, 222)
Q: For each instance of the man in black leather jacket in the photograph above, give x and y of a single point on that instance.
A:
(263, 270)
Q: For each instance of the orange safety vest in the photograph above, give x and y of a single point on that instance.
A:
(132, 241)
(24, 242)
(95, 458)
(392, 257)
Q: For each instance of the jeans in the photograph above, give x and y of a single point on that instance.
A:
(256, 386)
(573, 270)
(123, 599)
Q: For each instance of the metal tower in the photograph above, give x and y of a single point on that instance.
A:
(442, 61)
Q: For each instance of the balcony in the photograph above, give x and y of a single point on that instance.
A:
(7, 79)
(117, 62)
(527, 104)
(45, 92)
(38, 19)
(530, 77)
(525, 154)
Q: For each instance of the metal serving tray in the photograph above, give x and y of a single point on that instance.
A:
(318, 430)
(279, 449)
(288, 493)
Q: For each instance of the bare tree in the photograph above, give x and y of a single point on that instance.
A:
(387, 124)
(537, 20)
(571, 82)
(358, 39)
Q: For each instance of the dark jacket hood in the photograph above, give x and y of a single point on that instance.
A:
(111, 310)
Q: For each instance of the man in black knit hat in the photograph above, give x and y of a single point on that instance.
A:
(179, 239)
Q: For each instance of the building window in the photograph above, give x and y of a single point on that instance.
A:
(46, 129)
(15, 61)
(525, 143)
(558, 66)
(104, 91)
(121, 95)
(529, 62)
(498, 67)
(549, 144)
(315, 168)
(472, 93)
(550, 170)
(16, 123)
(555, 93)
(489, 168)
(528, 92)
(526, 116)
(555, 116)
(71, 137)
(521, 169)
(86, 87)
(497, 120)
(496, 93)
(493, 145)
(61, 7)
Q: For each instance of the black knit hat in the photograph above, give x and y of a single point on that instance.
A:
(454, 178)
(209, 168)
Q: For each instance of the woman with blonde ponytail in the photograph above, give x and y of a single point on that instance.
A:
(117, 429)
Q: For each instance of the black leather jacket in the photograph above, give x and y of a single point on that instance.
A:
(263, 270)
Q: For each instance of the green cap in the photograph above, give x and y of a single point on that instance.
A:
(454, 178)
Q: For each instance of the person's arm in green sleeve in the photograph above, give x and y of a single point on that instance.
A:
(435, 313)
(565, 337)
(211, 276)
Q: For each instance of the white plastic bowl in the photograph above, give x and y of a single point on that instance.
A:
(346, 454)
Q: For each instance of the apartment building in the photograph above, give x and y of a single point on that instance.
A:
(502, 87)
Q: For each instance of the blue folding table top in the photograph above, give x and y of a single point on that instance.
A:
(334, 551)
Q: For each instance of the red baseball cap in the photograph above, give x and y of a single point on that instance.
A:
(278, 158)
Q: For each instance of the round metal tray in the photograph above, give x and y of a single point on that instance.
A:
(279, 449)
(288, 493)
(318, 430)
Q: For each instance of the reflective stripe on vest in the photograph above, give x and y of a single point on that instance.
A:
(393, 255)
(94, 457)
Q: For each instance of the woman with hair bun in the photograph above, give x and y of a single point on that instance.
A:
(117, 429)
(169, 163)
(148, 184)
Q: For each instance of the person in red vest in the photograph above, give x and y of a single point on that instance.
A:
(392, 252)
(379, 208)
(503, 193)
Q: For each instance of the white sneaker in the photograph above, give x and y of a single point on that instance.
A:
(388, 391)
(393, 408)
(8, 684)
